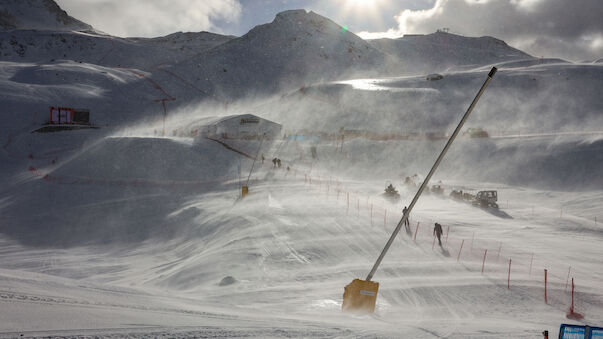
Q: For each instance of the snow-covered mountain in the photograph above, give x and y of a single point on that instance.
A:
(298, 47)
(100, 49)
(37, 14)
(441, 50)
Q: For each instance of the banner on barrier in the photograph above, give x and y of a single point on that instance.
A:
(567, 331)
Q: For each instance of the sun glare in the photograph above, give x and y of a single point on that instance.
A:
(361, 3)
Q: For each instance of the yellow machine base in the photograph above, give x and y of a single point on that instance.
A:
(244, 191)
(360, 296)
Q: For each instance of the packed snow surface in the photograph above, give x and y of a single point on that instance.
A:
(137, 228)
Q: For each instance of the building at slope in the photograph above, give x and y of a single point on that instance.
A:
(238, 127)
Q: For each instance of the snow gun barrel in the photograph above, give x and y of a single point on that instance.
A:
(361, 295)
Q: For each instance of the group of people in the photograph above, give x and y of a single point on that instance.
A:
(276, 162)
(437, 229)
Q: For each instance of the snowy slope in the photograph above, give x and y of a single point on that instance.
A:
(121, 232)
(100, 49)
(439, 51)
(37, 14)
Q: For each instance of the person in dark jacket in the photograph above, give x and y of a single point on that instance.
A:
(406, 222)
(437, 231)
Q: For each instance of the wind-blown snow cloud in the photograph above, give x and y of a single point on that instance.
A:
(570, 29)
(152, 18)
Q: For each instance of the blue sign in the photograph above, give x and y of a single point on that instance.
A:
(580, 332)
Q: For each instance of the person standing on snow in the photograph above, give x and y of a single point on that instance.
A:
(437, 231)
(406, 222)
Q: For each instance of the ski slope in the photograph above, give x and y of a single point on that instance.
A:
(134, 230)
(139, 259)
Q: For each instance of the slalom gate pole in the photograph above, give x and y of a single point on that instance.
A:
(567, 279)
(509, 276)
(458, 257)
(484, 261)
(433, 169)
(545, 298)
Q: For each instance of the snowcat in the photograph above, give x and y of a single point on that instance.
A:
(486, 199)
(391, 193)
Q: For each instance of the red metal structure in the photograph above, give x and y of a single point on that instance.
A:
(66, 115)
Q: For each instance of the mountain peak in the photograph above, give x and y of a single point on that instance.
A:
(36, 14)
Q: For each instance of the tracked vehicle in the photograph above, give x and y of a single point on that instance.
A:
(486, 199)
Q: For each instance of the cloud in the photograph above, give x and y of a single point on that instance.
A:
(146, 18)
(570, 29)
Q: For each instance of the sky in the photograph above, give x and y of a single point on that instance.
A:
(568, 29)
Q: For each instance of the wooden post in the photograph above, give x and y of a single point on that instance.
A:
(458, 257)
(416, 230)
(484, 261)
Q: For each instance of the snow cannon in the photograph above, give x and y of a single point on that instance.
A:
(361, 295)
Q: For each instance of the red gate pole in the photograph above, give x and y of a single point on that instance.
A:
(447, 230)
(484, 261)
(567, 279)
(572, 307)
(531, 260)
(433, 244)
(545, 298)
(472, 238)
(459, 255)
(499, 248)
(416, 230)
(358, 207)
(509, 276)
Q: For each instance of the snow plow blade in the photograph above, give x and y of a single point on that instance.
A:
(360, 296)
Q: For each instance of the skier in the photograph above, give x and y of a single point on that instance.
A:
(274, 163)
(262, 158)
(437, 231)
(278, 162)
(406, 222)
